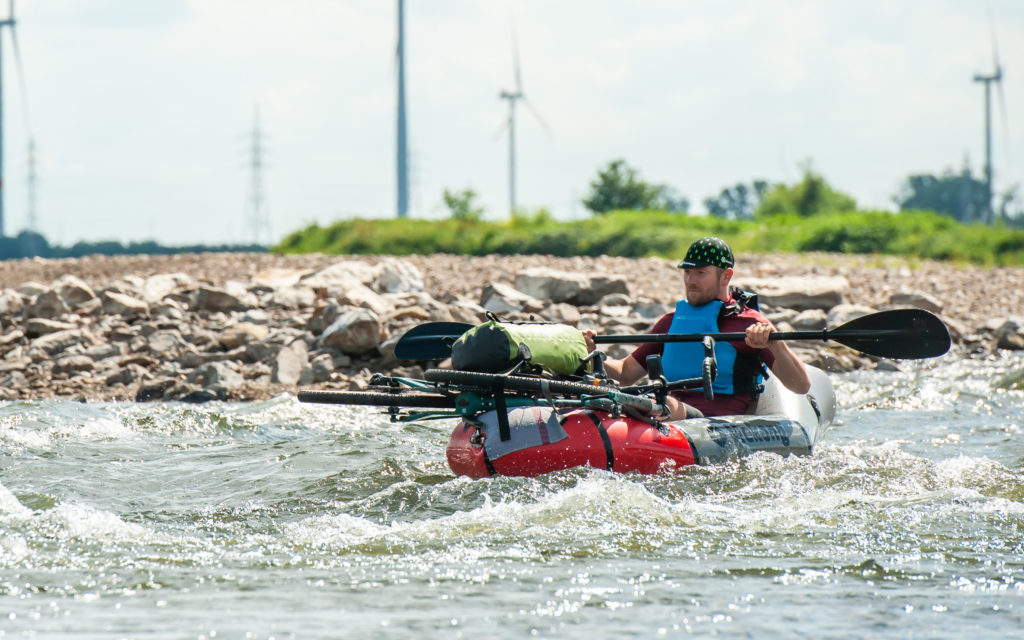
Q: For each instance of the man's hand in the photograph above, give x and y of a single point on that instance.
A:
(588, 336)
(757, 335)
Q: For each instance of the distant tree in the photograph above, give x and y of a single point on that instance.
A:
(27, 244)
(810, 196)
(462, 205)
(671, 200)
(738, 202)
(1011, 209)
(618, 186)
(958, 195)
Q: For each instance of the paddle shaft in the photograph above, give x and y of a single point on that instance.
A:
(825, 334)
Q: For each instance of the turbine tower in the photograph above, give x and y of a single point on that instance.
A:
(9, 22)
(513, 97)
(988, 215)
(402, 165)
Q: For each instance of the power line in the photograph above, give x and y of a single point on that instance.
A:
(257, 218)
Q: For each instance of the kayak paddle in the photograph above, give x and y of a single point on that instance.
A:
(896, 333)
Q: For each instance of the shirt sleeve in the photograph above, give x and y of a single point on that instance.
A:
(648, 348)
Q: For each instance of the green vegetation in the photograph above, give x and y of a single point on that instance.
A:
(920, 234)
(634, 219)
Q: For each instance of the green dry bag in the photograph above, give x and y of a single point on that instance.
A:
(493, 347)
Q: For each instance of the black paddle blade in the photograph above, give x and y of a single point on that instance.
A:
(898, 333)
(430, 341)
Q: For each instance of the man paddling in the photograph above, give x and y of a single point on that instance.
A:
(712, 307)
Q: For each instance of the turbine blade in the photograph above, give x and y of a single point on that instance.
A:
(501, 129)
(515, 61)
(536, 114)
(21, 74)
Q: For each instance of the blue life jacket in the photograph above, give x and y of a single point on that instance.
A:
(737, 372)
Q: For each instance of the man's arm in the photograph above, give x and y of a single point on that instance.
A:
(788, 368)
(625, 371)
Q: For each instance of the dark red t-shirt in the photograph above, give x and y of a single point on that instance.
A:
(723, 404)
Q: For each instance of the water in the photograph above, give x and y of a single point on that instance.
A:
(279, 519)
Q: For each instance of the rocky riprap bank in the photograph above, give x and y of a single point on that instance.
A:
(249, 326)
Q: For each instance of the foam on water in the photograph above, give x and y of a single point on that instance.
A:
(307, 519)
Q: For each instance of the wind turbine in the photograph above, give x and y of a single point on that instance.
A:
(9, 22)
(996, 77)
(402, 164)
(513, 97)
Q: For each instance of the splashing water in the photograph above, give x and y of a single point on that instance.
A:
(278, 519)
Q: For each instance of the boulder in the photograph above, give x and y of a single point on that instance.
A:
(397, 276)
(165, 343)
(291, 365)
(73, 364)
(497, 297)
(231, 297)
(843, 313)
(1010, 335)
(355, 332)
(813, 292)
(32, 289)
(155, 288)
(362, 296)
(11, 302)
(916, 300)
(215, 373)
(73, 291)
(809, 320)
(562, 286)
(47, 304)
(59, 341)
(36, 327)
(242, 333)
(115, 303)
(322, 366)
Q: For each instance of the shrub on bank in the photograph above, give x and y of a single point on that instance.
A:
(918, 234)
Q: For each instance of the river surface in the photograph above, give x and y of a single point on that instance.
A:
(280, 519)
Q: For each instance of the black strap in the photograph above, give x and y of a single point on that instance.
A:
(498, 387)
(609, 454)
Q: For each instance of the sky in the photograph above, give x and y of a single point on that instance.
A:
(142, 112)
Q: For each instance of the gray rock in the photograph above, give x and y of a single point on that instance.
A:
(498, 297)
(165, 343)
(397, 276)
(73, 291)
(32, 289)
(41, 326)
(355, 332)
(810, 320)
(242, 333)
(562, 312)
(291, 365)
(154, 390)
(256, 316)
(799, 292)
(73, 364)
(47, 304)
(11, 302)
(322, 367)
(215, 373)
(59, 341)
(1009, 335)
(115, 303)
(228, 298)
(917, 300)
(843, 313)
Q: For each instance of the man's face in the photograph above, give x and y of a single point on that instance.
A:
(703, 284)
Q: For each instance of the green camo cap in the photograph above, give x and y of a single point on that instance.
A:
(708, 252)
